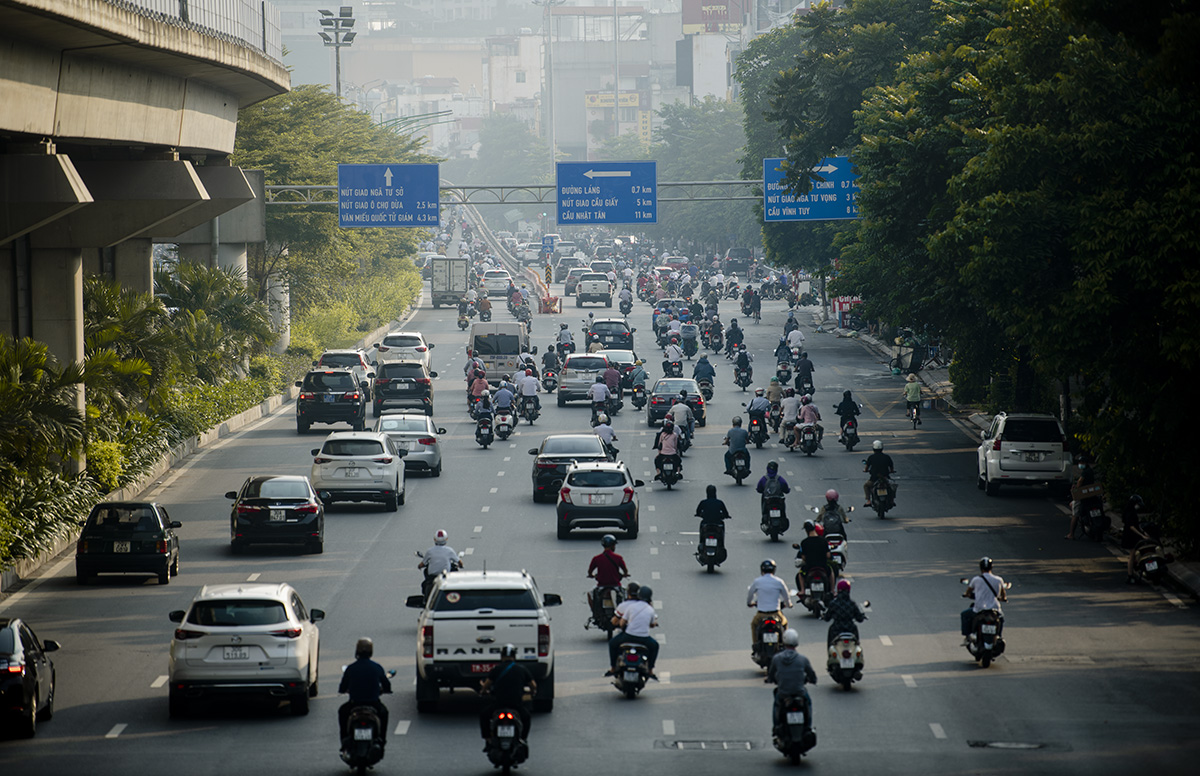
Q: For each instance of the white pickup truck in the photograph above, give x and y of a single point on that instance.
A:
(470, 615)
(593, 287)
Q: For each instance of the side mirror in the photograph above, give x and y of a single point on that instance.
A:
(177, 615)
(638, 483)
(430, 345)
(633, 331)
(231, 494)
(866, 604)
(850, 509)
(433, 374)
(50, 645)
(401, 453)
(313, 452)
(532, 352)
(415, 602)
(533, 451)
(983, 435)
(314, 363)
(376, 346)
(316, 615)
(364, 384)
(552, 599)
(176, 524)
(325, 496)
(299, 384)
(441, 431)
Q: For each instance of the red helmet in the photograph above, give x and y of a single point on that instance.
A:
(831, 495)
(529, 373)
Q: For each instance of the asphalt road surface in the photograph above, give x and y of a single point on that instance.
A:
(1098, 677)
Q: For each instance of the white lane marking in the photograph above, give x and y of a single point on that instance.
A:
(513, 444)
(643, 444)
(494, 490)
(253, 577)
(1066, 510)
(508, 457)
(469, 551)
(499, 474)
(478, 529)
(664, 677)
(653, 550)
(402, 727)
(908, 680)
(657, 604)
(159, 682)
(668, 727)
(655, 575)
(938, 732)
(791, 474)
(650, 508)
(653, 529)
(36, 583)
(868, 541)
(116, 730)
(485, 509)
(645, 458)
(886, 640)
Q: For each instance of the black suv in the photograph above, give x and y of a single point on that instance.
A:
(613, 333)
(331, 396)
(128, 536)
(403, 384)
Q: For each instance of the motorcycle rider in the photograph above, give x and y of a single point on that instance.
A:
(759, 406)
(438, 558)
(774, 392)
(790, 672)
(666, 442)
(606, 433)
(638, 376)
(635, 617)
(565, 337)
(712, 511)
(672, 353)
(734, 337)
(743, 361)
(773, 485)
(550, 361)
(790, 324)
(795, 337)
(987, 591)
(878, 465)
(504, 688)
(528, 385)
(833, 516)
(770, 595)
(612, 378)
(804, 371)
(704, 370)
(598, 394)
(485, 304)
(503, 398)
(1087, 476)
(809, 414)
(1133, 534)
(789, 408)
(783, 353)
(624, 296)
(814, 553)
(842, 614)
(847, 410)
(736, 438)
(681, 413)
(608, 568)
(595, 345)
(364, 681)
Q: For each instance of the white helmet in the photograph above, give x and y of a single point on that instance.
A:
(790, 637)
(440, 537)
(877, 445)
(602, 418)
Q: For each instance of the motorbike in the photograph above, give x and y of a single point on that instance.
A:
(362, 740)
(484, 435)
(883, 497)
(758, 430)
(818, 586)
(775, 416)
(485, 315)
(794, 735)
(732, 291)
(529, 409)
(549, 381)
(845, 659)
(769, 642)
(675, 369)
(471, 310)
(796, 357)
(690, 347)
(1150, 561)
(626, 306)
(427, 582)
(670, 472)
(783, 370)
(849, 436)
(711, 550)
(774, 517)
(742, 377)
(985, 642)
(808, 439)
(716, 341)
(741, 466)
(565, 349)
(463, 321)
(504, 423)
(638, 396)
(633, 669)
(525, 316)
(506, 746)
(804, 386)
(706, 388)
(1092, 518)
(605, 599)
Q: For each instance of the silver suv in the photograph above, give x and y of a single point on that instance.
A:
(578, 374)
(245, 639)
(1023, 449)
(359, 466)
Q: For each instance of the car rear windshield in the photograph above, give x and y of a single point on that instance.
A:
(740, 253)
(1031, 431)
(575, 272)
(402, 341)
(277, 489)
(472, 600)
(353, 447)
(593, 276)
(582, 446)
(588, 363)
(613, 326)
(329, 381)
(496, 273)
(674, 386)
(599, 479)
(403, 424)
(390, 371)
(497, 345)
(123, 519)
(341, 359)
(569, 261)
(231, 613)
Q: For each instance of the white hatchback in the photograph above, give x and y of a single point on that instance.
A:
(244, 639)
(359, 466)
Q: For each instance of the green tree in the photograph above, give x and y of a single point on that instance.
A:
(40, 425)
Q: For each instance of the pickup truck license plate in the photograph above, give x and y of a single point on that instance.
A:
(237, 653)
(278, 515)
(120, 546)
(770, 638)
(795, 717)
(506, 731)
(482, 668)
(362, 734)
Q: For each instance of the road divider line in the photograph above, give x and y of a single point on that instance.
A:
(513, 444)
(938, 732)
(117, 730)
(402, 727)
(469, 551)
(655, 575)
(653, 550)
(645, 458)
(253, 577)
(485, 509)
(908, 680)
(478, 529)
(664, 677)
(159, 682)
(653, 529)
(508, 457)
(885, 640)
(494, 490)
(668, 727)
(499, 474)
(868, 541)
(650, 508)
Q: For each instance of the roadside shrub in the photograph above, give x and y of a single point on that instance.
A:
(106, 463)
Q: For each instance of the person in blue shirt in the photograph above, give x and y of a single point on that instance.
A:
(504, 397)
(704, 370)
(364, 680)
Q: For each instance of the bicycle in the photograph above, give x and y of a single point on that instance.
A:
(914, 413)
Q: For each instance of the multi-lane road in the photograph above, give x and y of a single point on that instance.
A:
(1098, 677)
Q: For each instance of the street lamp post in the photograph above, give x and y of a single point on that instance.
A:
(616, 74)
(338, 36)
(549, 5)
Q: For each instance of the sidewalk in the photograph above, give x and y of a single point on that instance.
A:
(1184, 574)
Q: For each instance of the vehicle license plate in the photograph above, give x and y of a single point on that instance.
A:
(362, 734)
(795, 717)
(237, 653)
(881, 492)
(120, 546)
(506, 731)
(1034, 457)
(775, 513)
(710, 541)
(668, 467)
(351, 472)
(482, 668)
(770, 638)
(631, 676)
(330, 398)
(597, 498)
(990, 630)
(818, 587)
(404, 445)
(406, 387)
(1152, 565)
(278, 515)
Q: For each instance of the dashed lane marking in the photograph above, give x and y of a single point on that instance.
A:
(478, 529)
(885, 640)
(655, 575)
(653, 529)
(253, 577)
(469, 551)
(402, 727)
(494, 490)
(668, 727)
(485, 509)
(664, 677)
(508, 457)
(938, 732)
(159, 682)
(653, 550)
(908, 680)
(116, 730)
(650, 508)
(499, 474)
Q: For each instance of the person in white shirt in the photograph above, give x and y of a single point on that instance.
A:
(795, 338)
(612, 276)
(988, 591)
(605, 432)
(598, 394)
(528, 385)
(625, 295)
(789, 408)
(472, 295)
(671, 353)
(675, 325)
(717, 281)
(636, 618)
(681, 413)
(769, 594)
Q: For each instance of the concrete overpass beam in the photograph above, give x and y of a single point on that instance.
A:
(37, 189)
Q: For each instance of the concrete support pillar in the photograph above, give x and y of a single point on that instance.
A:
(279, 301)
(56, 290)
(133, 265)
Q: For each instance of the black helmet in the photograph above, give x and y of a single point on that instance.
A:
(608, 540)
(508, 652)
(364, 648)
(1136, 503)
(767, 566)
(711, 491)
(631, 590)
(645, 594)
(985, 563)
(772, 466)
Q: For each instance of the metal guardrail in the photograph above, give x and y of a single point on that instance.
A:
(527, 194)
(253, 23)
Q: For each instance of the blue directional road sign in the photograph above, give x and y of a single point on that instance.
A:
(833, 199)
(548, 243)
(607, 193)
(387, 195)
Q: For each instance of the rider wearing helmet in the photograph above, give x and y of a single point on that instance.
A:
(612, 378)
(814, 554)
(847, 410)
(504, 688)
(364, 681)
(878, 466)
(987, 591)
(769, 594)
(666, 442)
(608, 569)
(672, 354)
(810, 415)
(681, 413)
(606, 433)
(833, 516)
(595, 344)
(528, 388)
(635, 616)
(790, 672)
(774, 392)
(438, 558)
(843, 615)
(773, 486)
(598, 394)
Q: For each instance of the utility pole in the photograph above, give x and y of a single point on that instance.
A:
(549, 6)
(616, 74)
(339, 35)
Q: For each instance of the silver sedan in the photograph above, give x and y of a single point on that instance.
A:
(414, 432)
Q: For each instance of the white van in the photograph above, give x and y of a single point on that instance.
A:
(498, 345)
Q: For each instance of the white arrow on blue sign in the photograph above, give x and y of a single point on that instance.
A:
(387, 195)
(833, 199)
(607, 192)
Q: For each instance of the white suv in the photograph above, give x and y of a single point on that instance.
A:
(245, 639)
(597, 495)
(1023, 449)
(359, 466)
(403, 346)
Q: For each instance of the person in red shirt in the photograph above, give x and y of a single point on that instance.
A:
(608, 569)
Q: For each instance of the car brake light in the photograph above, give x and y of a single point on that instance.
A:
(160, 547)
(546, 465)
(543, 640)
(427, 441)
(382, 380)
(306, 509)
(628, 495)
(15, 668)
(247, 509)
(996, 445)
(307, 396)
(384, 459)
(565, 494)
(384, 348)
(286, 633)
(182, 634)
(427, 641)
(423, 381)
(420, 348)
(319, 459)
(352, 396)
(632, 657)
